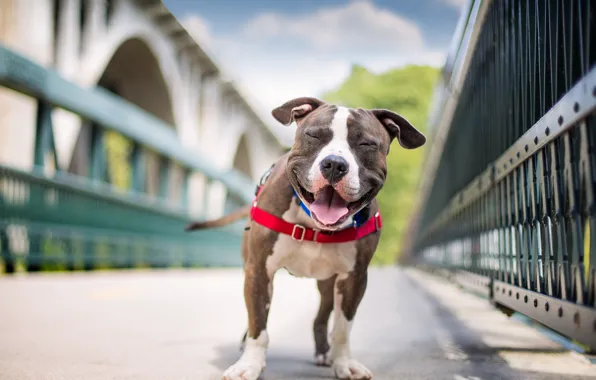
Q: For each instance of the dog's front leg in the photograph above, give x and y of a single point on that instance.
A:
(349, 290)
(326, 289)
(257, 295)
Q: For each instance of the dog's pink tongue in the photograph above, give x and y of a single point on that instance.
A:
(328, 206)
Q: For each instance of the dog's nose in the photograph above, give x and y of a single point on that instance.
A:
(334, 168)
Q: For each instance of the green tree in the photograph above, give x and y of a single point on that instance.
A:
(407, 91)
(118, 151)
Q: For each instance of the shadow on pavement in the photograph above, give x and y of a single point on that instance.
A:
(483, 361)
(281, 364)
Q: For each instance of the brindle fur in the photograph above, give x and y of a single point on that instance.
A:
(276, 196)
(320, 325)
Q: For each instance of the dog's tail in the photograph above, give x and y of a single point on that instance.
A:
(242, 212)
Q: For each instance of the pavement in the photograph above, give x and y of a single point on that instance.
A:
(179, 324)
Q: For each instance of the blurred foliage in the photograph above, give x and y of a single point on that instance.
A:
(118, 151)
(408, 92)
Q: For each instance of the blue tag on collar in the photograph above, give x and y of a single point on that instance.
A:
(358, 219)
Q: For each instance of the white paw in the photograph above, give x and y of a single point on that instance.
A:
(244, 370)
(322, 360)
(350, 369)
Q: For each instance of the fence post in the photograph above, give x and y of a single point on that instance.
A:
(7, 255)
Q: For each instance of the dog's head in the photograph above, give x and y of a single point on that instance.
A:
(338, 164)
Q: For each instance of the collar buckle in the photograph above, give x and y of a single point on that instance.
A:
(296, 227)
(377, 221)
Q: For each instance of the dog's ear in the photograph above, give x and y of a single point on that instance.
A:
(400, 128)
(295, 109)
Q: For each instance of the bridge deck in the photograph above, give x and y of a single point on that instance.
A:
(187, 325)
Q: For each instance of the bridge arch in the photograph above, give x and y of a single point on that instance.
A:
(96, 58)
(132, 72)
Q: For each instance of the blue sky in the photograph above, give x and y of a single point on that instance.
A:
(279, 49)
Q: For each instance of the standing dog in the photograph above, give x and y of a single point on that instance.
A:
(316, 216)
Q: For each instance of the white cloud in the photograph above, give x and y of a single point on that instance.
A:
(307, 77)
(357, 25)
(273, 81)
(276, 57)
(455, 3)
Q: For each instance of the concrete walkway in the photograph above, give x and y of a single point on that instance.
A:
(188, 325)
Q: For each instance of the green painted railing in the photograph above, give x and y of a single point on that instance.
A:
(66, 221)
(510, 183)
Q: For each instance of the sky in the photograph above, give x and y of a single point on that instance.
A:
(277, 50)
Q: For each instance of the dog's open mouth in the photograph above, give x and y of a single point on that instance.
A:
(328, 207)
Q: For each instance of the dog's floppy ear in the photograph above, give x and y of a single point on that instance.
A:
(295, 109)
(400, 128)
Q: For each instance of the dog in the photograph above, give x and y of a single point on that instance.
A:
(316, 215)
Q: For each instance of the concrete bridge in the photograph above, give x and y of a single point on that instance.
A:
(188, 325)
(139, 51)
(117, 129)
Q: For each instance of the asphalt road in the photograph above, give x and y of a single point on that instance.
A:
(188, 325)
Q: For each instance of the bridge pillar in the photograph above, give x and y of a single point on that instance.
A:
(81, 39)
(18, 112)
(204, 197)
(67, 52)
(95, 14)
(187, 98)
(68, 39)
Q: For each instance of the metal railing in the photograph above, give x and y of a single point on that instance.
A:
(508, 200)
(66, 221)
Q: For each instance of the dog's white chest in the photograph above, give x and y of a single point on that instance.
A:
(308, 259)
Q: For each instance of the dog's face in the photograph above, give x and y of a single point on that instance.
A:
(337, 164)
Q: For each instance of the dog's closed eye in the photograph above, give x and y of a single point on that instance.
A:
(312, 136)
(368, 143)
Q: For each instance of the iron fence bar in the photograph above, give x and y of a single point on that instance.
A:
(588, 168)
(475, 16)
(165, 176)
(108, 110)
(184, 189)
(99, 191)
(138, 160)
(98, 168)
(519, 217)
(44, 136)
(568, 111)
(6, 254)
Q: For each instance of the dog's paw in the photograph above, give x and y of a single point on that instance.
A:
(350, 369)
(322, 360)
(244, 370)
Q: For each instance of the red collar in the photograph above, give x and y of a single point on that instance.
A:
(300, 233)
